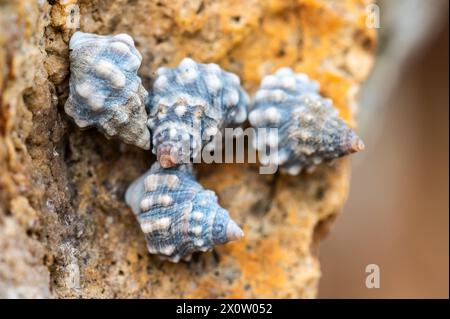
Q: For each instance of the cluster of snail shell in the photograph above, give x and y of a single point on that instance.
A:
(185, 109)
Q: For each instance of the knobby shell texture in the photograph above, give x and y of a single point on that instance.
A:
(190, 104)
(177, 215)
(306, 128)
(105, 90)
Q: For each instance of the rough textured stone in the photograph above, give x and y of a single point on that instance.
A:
(65, 230)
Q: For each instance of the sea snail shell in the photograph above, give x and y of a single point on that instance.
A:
(309, 129)
(105, 90)
(189, 105)
(177, 215)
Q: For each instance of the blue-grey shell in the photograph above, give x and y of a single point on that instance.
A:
(308, 129)
(105, 90)
(177, 215)
(189, 105)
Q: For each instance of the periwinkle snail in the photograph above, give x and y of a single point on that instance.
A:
(309, 129)
(190, 104)
(177, 215)
(105, 90)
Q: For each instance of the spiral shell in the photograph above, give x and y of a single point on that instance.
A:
(309, 130)
(190, 104)
(177, 215)
(105, 90)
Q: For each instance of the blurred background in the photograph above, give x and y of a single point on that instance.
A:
(397, 214)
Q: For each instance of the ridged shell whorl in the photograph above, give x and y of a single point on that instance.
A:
(309, 128)
(190, 104)
(105, 90)
(177, 215)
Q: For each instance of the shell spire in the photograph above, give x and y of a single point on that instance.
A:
(177, 215)
(307, 127)
(105, 90)
(190, 104)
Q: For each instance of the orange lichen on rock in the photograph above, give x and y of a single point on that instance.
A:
(308, 36)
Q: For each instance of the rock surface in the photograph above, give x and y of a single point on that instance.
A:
(65, 230)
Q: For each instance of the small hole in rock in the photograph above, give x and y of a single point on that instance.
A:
(320, 193)
(201, 7)
(236, 19)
